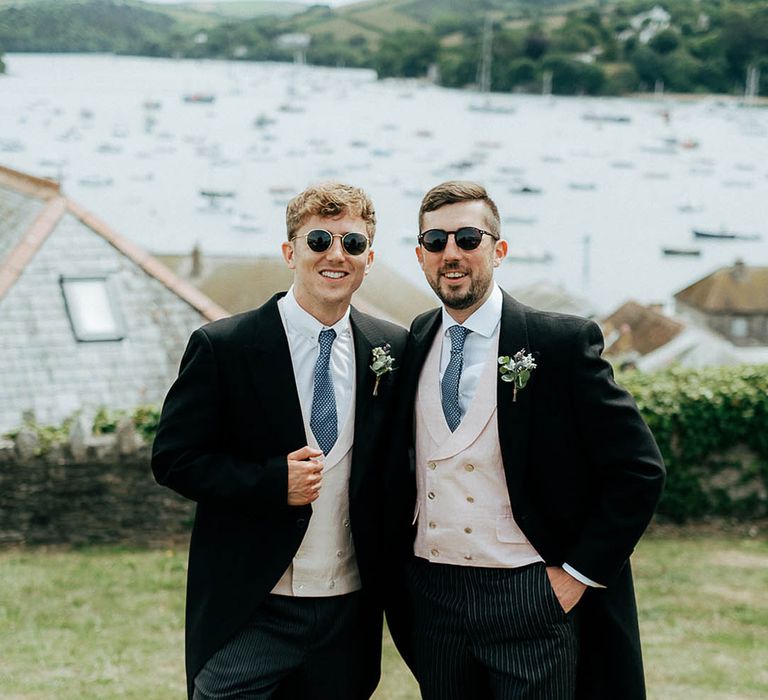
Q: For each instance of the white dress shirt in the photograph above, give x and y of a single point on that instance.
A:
(303, 332)
(484, 323)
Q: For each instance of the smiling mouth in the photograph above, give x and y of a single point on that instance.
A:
(454, 275)
(333, 274)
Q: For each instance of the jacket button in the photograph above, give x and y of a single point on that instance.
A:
(301, 522)
(432, 465)
(470, 467)
(431, 495)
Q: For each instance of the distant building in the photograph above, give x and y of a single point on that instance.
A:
(634, 330)
(698, 346)
(87, 318)
(726, 321)
(242, 283)
(551, 297)
(732, 301)
(298, 43)
(648, 24)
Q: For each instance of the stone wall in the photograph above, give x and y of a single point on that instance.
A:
(91, 489)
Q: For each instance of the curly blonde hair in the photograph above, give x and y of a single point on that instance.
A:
(330, 199)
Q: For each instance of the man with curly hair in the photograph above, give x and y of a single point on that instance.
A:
(275, 427)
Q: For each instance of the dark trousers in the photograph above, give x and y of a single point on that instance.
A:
(297, 649)
(483, 633)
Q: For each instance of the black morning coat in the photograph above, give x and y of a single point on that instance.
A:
(227, 425)
(583, 474)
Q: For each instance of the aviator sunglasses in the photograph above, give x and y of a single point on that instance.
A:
(319, 240)
(467, 238)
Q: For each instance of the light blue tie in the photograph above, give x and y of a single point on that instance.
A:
(323, 419)
(450, 384)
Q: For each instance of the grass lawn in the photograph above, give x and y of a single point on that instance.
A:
(106, 623)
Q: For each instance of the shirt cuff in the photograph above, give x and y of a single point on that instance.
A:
(581, 577)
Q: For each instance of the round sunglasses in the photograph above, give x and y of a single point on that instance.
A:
(319, 240)
(466, 237)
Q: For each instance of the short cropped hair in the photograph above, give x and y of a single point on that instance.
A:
(330, 199)
(460, 191)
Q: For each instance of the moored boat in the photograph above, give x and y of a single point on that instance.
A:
(724, 235)
(683, 252)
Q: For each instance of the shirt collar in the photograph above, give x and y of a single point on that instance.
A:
(484, 320)
(304, 323)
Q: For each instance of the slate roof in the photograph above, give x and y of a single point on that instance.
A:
(34, 207)
(50, 367)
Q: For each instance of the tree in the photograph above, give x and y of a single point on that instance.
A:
(458, 65)
(665, 42)
(405, 53)
(622, 80)
(521, 72)
(745, 38)
(648, 65)
(679, 71)
(536, 44)
(571, 77)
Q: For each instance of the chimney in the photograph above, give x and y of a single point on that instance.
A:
(739, 270)
(197, 262)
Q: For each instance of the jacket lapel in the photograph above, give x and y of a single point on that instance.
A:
(513, 416)
(366, 336)
(419, 345)
(268, 357)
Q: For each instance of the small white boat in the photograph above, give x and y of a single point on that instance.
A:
(489, 107)
(681, 252)
(247, 223)
(200, 98)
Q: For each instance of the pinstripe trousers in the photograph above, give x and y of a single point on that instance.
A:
(295, 649)
(483, 633)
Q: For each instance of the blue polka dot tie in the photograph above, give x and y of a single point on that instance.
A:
(450, 384)
(323, 419)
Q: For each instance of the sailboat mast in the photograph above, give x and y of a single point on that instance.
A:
(484, 72)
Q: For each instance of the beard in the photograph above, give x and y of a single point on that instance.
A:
(461, 299)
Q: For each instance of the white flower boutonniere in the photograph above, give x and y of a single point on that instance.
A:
(516, 369)
(382, 363)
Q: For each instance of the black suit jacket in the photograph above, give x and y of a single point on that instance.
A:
(227, 424)
(583, 474)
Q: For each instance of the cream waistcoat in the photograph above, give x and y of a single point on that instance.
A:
(463, 511)
(325, 563)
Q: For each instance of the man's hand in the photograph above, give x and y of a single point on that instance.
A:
(567, 589)
(305, 475)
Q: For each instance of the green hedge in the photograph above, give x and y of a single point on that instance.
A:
(712, 428)
(711, 425)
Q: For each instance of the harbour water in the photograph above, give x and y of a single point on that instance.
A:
(590, 190)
